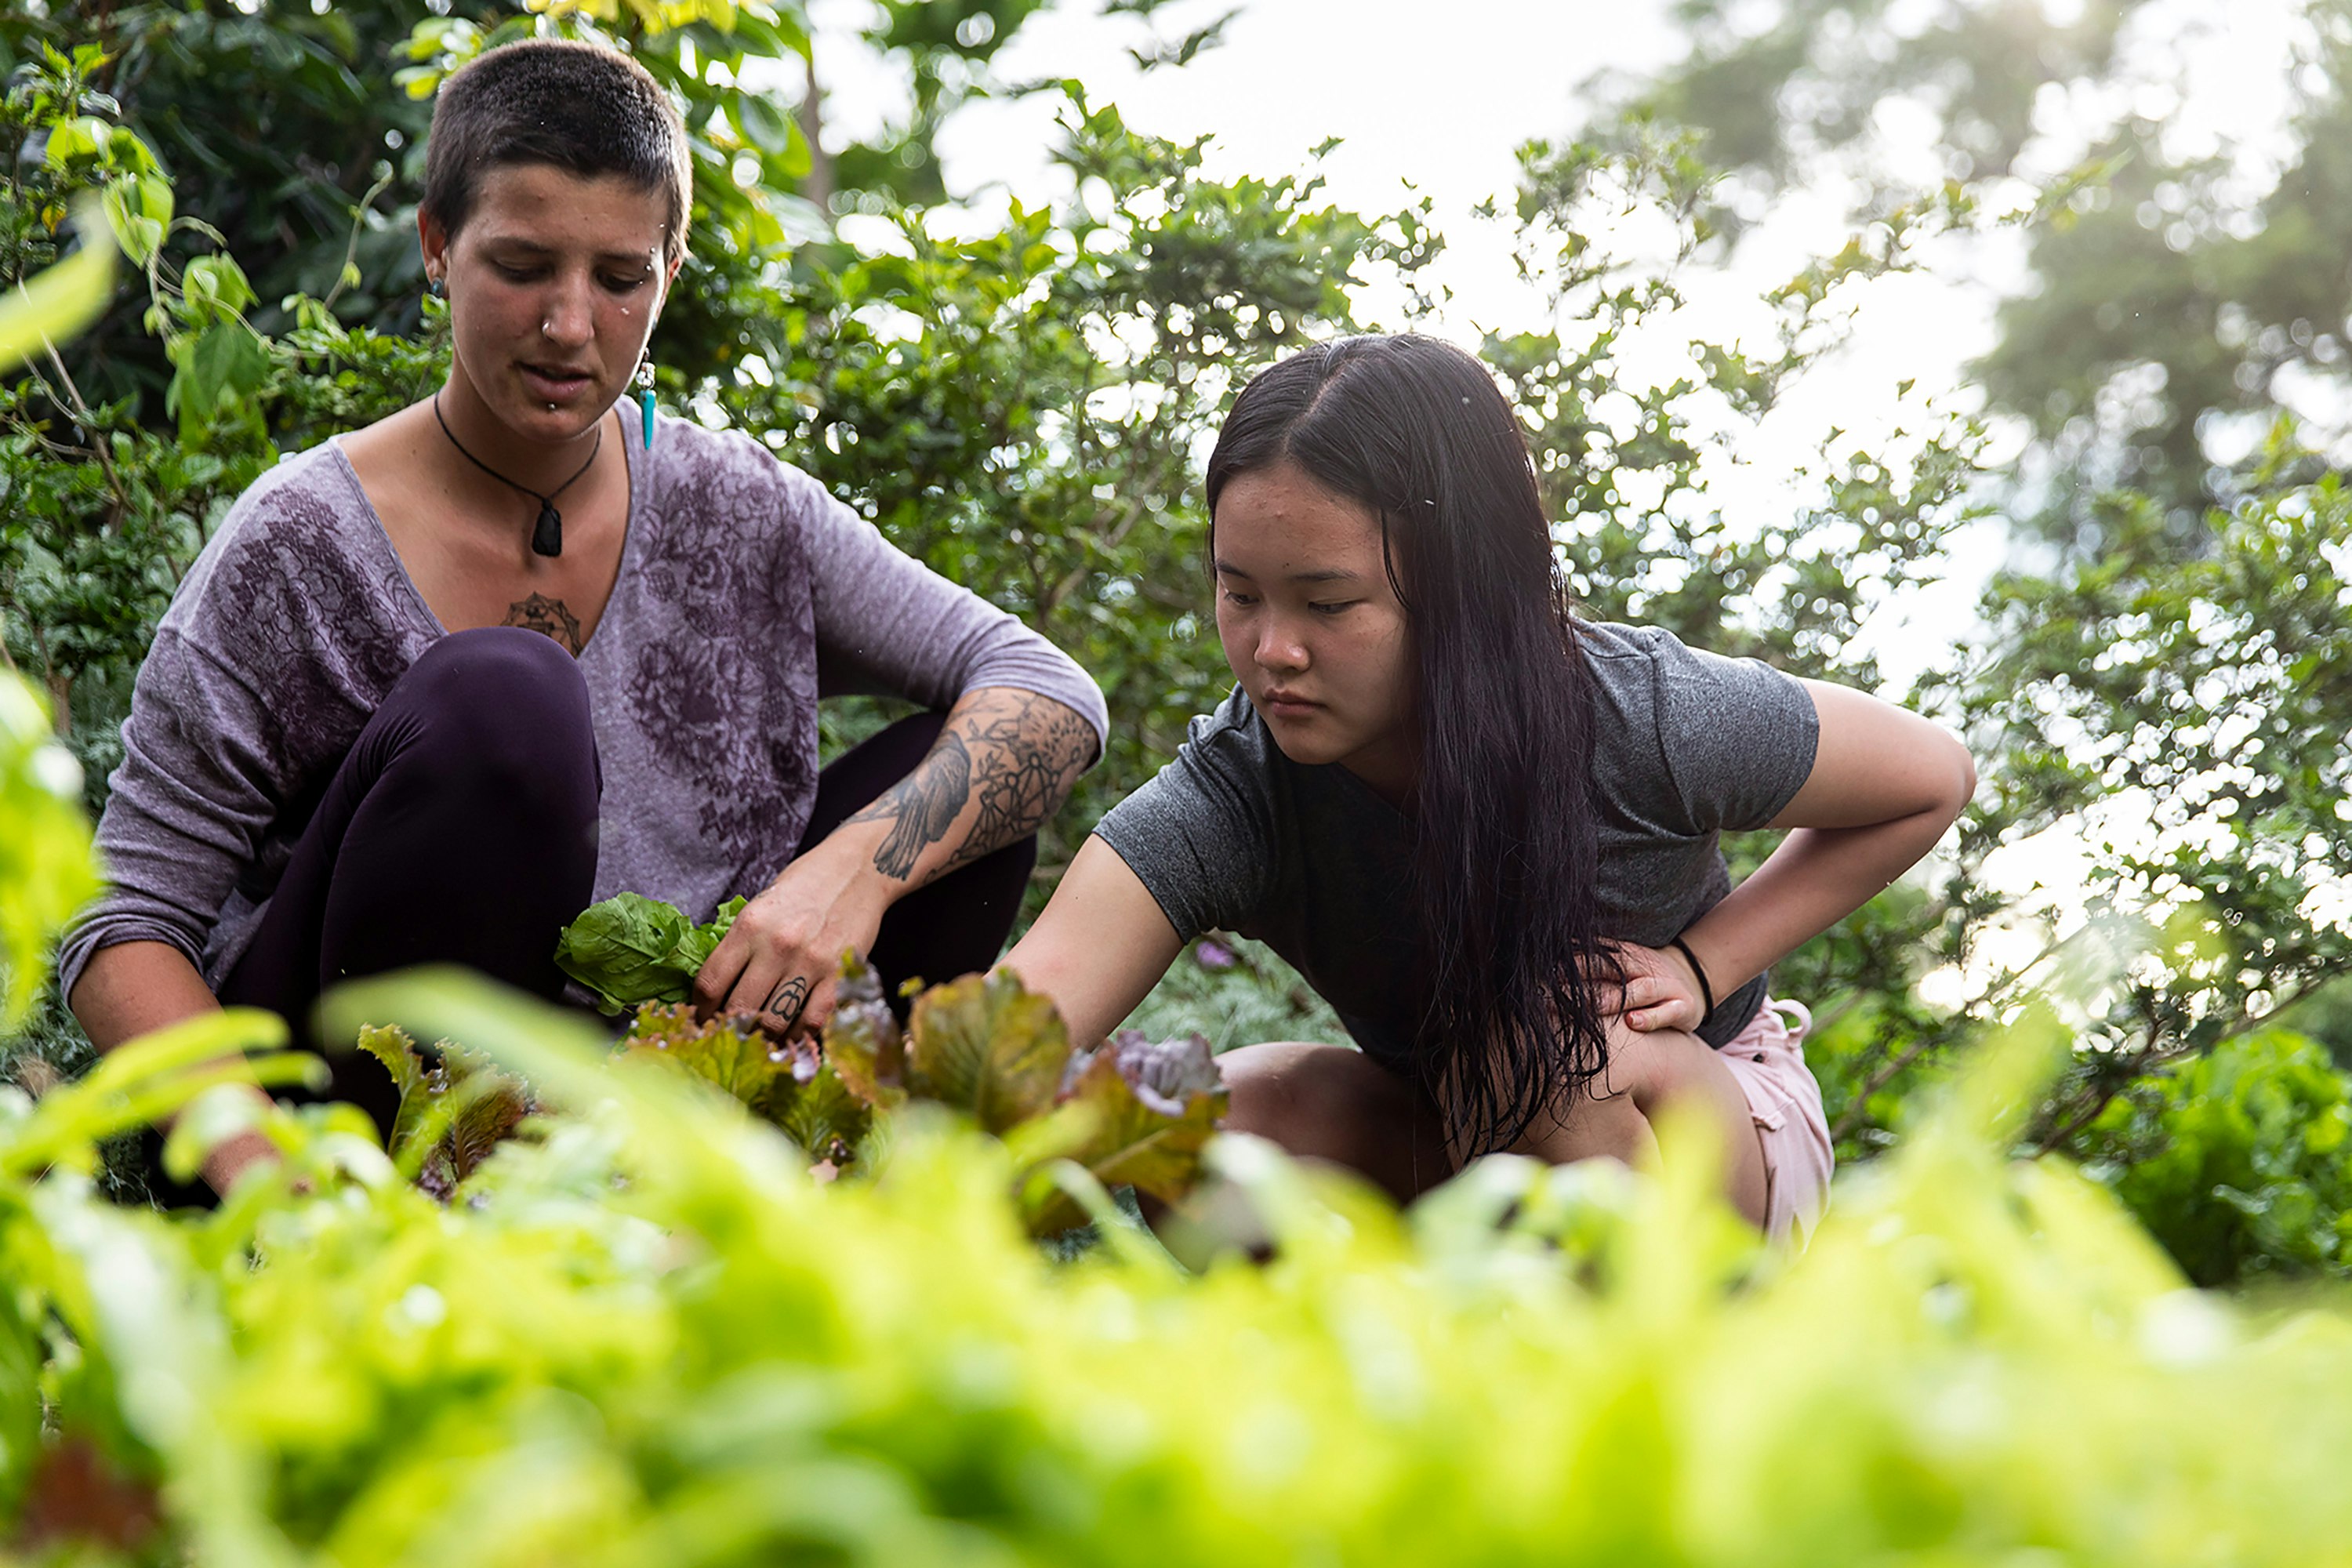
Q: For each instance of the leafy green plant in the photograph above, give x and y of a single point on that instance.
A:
(631, 949)
(645, 1336)
(454, 1109)
(1128, 1113)
(44, 869)
(43, 844)
(788, 1085)
(2238, 1161)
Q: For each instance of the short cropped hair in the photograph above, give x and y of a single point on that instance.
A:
(582, 108)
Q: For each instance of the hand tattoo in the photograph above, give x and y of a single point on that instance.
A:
(785, 1002)
(922, 806)
(552, 616)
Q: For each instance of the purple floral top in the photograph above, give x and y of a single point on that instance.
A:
(745, 592)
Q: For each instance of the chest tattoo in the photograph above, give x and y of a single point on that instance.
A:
(541, 614)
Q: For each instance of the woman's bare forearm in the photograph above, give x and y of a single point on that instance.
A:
(1815, 878)
(135, 987)
(1885, 785)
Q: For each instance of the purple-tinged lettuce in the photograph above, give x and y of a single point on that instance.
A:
(863, 1045)
(1134, 1113)
(455, 1108)
(788, 1084)
(987, 1046)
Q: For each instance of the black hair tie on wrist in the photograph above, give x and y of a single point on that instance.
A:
(1705, 991)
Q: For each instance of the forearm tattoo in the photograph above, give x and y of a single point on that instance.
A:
(922, 806)
(1030, 751)
(785, 1002)
(553, 616)
(1019, 752)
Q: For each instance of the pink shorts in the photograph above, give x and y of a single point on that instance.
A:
(1768, 1059)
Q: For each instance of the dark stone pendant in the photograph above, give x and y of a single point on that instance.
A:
(547, 539)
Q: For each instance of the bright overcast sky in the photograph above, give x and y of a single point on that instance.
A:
(1439, 105)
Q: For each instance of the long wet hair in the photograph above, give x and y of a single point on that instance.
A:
(1416, 431)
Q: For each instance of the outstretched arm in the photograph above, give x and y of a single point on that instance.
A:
(1885, 785)
(1100, 945)
(1004, 763)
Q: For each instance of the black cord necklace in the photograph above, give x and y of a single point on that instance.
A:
(547, 534)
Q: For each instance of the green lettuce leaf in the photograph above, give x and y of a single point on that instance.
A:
(485, 1108)
(631, 949)
(725, 1053)
(789, 1085)
(390, 1044)
(823, 1117)
(702, 940)
(453, 1111)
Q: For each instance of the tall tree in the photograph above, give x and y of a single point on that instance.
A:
(2181, 298)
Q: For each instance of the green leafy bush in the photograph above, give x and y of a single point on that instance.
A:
(45, 865)
(2239, 1162)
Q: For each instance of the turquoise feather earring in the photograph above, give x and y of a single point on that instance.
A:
(646, 393)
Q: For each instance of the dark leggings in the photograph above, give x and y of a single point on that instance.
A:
(461, 828)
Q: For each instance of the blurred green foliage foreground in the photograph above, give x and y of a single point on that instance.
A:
(640, 1333)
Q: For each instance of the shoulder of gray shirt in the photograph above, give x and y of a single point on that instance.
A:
(1735, 738)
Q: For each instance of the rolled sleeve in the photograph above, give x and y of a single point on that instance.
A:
(185, 812)
(1738, 736)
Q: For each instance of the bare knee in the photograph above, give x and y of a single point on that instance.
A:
(1649, 1075)
(1331, 1102)
(1286, 1085)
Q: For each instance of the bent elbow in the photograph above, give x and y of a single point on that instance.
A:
(1960, 777)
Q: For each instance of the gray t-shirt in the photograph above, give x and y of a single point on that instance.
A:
(745, 592)
(1234, 836)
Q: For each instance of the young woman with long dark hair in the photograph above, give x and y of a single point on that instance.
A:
(1486, 831)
